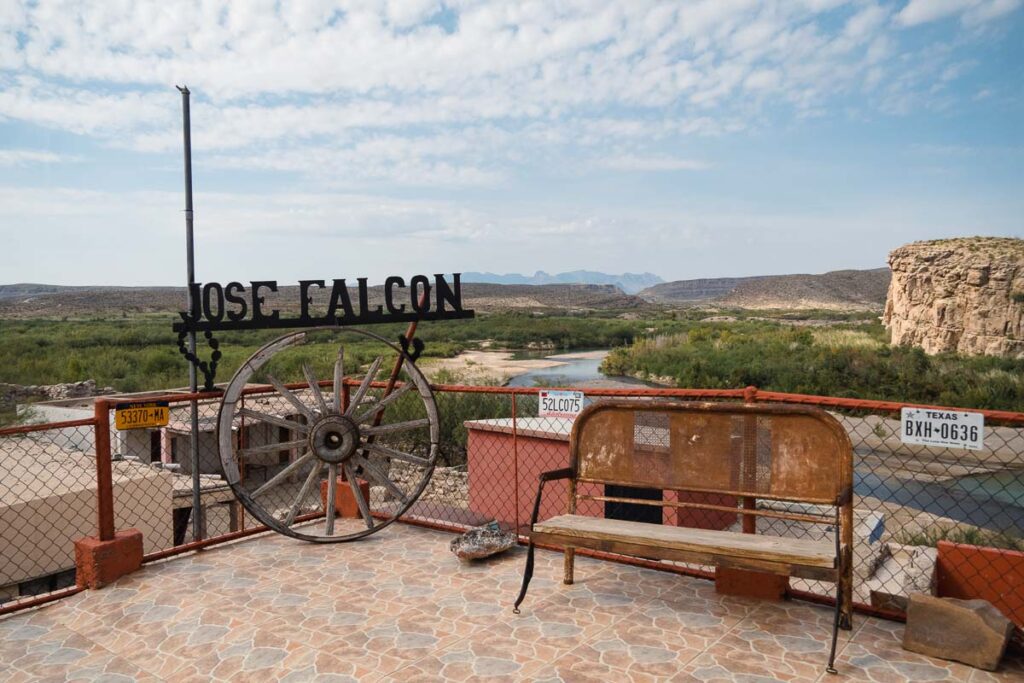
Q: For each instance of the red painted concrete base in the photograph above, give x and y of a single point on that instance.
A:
(344, 501)
(98, 563)
(993, 574)
(750, 584)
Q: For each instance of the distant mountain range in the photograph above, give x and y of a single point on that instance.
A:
(837, 290)
(25, 300)
(630, 283)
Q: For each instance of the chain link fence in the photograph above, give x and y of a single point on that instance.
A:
(925, 518)
(47, 500)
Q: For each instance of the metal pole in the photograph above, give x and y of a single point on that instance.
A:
(193, 380)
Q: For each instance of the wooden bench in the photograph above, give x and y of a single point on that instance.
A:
(714, 457)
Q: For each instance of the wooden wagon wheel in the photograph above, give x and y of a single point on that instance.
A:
(307, 430)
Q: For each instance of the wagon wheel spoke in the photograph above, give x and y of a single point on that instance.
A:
(314, 386)
(274, 420)
(396, 427)
(374, 473)
(314, 475)
(291, 398)
(398, 455)
(384, 402)
(339, 379)
(271, 448)
(365, 386)
(284, 474)
(332, 490)
(357, 493)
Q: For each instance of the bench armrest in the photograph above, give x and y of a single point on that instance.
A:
(564, 473)
(551, 475)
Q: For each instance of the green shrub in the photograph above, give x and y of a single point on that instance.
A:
(970, 536)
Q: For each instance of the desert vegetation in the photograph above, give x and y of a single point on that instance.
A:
(814, 352)
(836, 361)
(140, 353)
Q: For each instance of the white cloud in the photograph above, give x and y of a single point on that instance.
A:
(653, 163)
(972, 12)
(309, 76)
(359, 102)
(22, 157)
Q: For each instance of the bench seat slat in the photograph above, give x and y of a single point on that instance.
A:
(797, 551)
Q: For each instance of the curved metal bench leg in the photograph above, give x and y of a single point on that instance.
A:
(527, 575)
(840, 591)
(831, 668)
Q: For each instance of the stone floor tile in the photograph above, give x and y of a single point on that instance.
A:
(95, 667)
(585, 663)
(399, 606)
(246, 662)
(790, 630)
(723, 663)
(488, 655)
(678, 629)
(549, 633)
(393, 641)
(876, 654)
(1010, 669)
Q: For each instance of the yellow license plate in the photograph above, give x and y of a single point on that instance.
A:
(141, 415)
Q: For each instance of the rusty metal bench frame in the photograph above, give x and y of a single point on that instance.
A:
(747, 451)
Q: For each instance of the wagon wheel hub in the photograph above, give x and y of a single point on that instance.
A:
(334, 438)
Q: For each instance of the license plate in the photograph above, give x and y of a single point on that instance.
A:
(141, 415)
(560, 403)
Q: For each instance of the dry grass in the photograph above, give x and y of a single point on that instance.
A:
(837, 339)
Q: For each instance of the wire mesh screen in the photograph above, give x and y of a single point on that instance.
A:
(910, 498)
(47, 500)
(493, 445)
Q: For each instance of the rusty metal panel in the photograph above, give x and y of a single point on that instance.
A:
(701, 451)
(605, 447)
(804, 458)
(773, 451)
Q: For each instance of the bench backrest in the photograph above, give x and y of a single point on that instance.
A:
(781, 452)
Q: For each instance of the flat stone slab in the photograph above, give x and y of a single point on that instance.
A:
(969, 631)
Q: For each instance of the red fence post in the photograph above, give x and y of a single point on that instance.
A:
(104, 478)
(103, 559)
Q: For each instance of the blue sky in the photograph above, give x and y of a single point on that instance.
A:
(689, 139)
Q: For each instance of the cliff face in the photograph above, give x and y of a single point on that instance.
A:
(964, 295)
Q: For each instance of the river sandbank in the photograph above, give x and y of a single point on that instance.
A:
(486, 367)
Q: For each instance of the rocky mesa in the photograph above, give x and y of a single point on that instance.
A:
(963, 295)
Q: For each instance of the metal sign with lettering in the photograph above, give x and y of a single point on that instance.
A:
(236, 306)
(948, 428)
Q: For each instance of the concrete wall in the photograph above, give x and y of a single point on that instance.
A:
(36, 535)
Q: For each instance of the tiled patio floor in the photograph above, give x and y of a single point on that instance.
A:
(399, 607)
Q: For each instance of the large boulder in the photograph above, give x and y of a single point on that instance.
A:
(969, 631)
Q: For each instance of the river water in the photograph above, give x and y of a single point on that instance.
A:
(575, 372)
